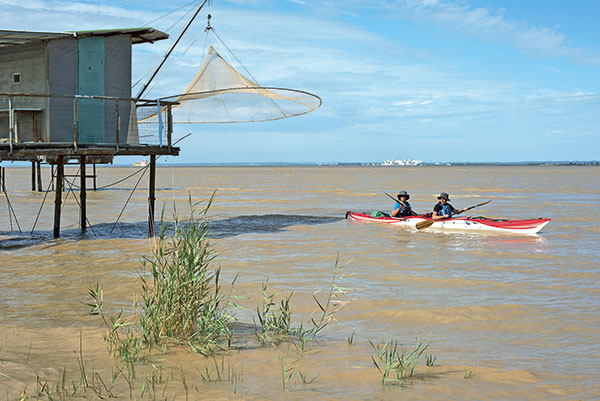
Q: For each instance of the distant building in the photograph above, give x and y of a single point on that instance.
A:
(406, 162)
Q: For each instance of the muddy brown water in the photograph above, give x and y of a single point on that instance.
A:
(521, 313)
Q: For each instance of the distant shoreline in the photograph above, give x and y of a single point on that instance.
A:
(375, 164)
(350, 164)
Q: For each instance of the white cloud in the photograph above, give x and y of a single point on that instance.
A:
(484, 23)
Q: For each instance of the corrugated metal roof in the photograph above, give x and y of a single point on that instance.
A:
(9, 38)
(138, 35)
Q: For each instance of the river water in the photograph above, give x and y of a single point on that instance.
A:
(508, 317)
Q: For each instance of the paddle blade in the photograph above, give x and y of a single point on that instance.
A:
(425, 224)
(479, 204)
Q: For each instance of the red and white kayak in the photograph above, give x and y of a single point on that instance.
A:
(531, 226)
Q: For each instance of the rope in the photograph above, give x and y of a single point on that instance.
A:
(69, 191)
(50, 182)
(138, 183)
(10, 209)
(116, 182)
(129, 198)
(166, 30)
(169, 13)
(79, 204)
(157, 80)
(283, 113)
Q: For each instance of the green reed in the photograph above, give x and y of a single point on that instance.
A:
(183, 301)
(220, 373)
(181, 298)
(289, 368)
(275, 319)
(394, 364)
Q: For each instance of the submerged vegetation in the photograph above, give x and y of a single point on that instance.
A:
(396, 365)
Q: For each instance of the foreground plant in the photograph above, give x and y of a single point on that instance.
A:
(181, 299)
(276, 319)
(396, 365)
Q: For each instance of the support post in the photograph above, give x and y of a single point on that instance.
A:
(169, 125)
(39, 175)
(60, 173)
(94, 176)
(82, 194)
(33, 175)
(151, 198)
(3, 178)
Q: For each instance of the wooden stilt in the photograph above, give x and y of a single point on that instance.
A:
(33, 176)
(39, 175)
(82, 194)
(94, 176)
(60, 173)
(3, 178)
(151, 198)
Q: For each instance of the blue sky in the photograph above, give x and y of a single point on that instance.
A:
(435, 80)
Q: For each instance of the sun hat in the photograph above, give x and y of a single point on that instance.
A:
(444, 195)
(403, 193)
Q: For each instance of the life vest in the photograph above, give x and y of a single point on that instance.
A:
(405, 210)
(446, 210)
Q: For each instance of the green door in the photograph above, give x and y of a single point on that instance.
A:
(90, 81)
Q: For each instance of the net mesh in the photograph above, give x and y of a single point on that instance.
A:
(220, 94)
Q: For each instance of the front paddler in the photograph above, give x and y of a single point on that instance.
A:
(443, 209)
(402, 207)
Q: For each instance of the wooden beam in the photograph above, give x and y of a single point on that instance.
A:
(39, 175)
(151, 198)
(60, 172)
(94, 176)
(33, 175)
(82, 195)
(33, 150)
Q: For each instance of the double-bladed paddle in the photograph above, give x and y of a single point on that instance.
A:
(395, 199)
(428, 223)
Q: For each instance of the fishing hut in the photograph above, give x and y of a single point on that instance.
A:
(67, 97)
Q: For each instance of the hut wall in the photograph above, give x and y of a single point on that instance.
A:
(29, 62)
(94, 66)
(117, 83)
(62, 72)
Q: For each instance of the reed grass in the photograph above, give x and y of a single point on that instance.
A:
(219, 373)
(181, 298)
(430, 359)
(396, 365)
(275, 320)
(288, 369)
(182, 301)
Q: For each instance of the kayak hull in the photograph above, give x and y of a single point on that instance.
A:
(530, 226)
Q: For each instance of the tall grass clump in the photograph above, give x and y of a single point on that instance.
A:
(181, 296)
(181, 299)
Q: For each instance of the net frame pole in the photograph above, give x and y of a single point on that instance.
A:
(141, 92)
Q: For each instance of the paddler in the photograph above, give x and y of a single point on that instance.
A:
(402, 207)
(443, 209)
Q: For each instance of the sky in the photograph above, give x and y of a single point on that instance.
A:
(432, 80)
